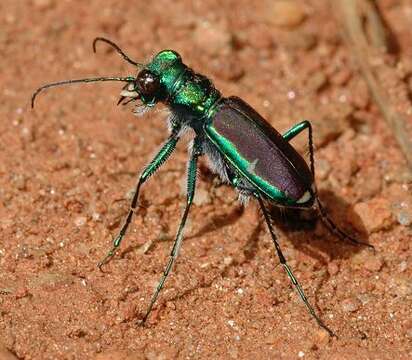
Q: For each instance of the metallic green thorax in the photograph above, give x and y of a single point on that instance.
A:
(181, 87)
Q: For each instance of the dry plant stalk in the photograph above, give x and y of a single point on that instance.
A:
(366, 35)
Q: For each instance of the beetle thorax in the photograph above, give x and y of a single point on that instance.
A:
(182, 88)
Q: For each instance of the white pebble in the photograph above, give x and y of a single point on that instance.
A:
(80, 221)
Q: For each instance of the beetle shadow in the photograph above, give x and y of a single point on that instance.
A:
(219, 221)
(302, 229)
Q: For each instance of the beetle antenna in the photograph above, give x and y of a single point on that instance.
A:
(117, 48)
(86, 80)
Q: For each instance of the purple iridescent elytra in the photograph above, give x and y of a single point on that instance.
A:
(240, 132)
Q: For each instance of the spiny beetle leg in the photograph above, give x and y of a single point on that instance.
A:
(153, 166)
(330, 225)
(296, 130)
(334, 229)
(288, 270)
(111, 252)
(191, 185)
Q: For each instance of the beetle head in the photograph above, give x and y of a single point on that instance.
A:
(145, 87)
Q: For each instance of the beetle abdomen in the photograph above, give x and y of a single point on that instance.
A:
(260, 153)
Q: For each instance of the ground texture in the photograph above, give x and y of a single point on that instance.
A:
(68, 169)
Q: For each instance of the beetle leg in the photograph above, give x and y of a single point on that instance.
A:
(239, 182)
(241, 185)
(191, 184)
(330, 225)
(333, 228)
(288, 270)
(296, 130)
(150, 169)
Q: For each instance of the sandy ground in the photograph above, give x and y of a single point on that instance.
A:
(68, 169)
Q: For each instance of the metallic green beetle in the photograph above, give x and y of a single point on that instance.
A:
(242, 148)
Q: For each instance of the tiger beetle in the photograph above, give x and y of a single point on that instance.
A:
(243, 149)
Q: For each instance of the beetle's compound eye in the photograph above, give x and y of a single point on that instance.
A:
(148, 83)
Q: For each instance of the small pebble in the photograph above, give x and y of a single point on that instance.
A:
(299, 40)
(323, 169)
(333, 268)
(350, 305)
(400, 285)
(330, 127)
(28, 134)
(401, 203)
(43, 4)
(367, 260)
(19, 181)
(212, 38)
(373, 263)
(21, 292)
(321, 337)
(233, 352)
(80, 221)
(5, 354)
(316, 81)
(341, 77)
(369, 183)
(404, 217)
(229, 68)
(403, 266)
(148, 244)
(373, 215)
(287, 14)
(364, 298)
(362, 99)
(96, 216)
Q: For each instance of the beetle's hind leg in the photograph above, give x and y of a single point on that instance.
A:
(334, 229)
(288, 270)
(296, 130)
(327, 221)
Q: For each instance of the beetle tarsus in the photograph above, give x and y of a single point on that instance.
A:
(334, 229)
(106, 259)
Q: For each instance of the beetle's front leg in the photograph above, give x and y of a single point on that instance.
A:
(150, 169)
(191, 185)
